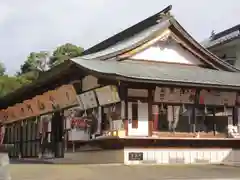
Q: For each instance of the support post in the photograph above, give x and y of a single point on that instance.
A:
(150, 114)
(214, 122)
(235, 116)
(194, 111)
(124, 97)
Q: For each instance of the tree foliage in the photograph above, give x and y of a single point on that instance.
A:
(36, 63)
(10, 83)
(64, 52)
(2, 69)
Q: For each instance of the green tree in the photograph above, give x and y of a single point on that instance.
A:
(63, 53)
(2, 69)
(35, 63)
(11, 83)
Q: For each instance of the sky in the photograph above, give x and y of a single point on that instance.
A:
(32, 26)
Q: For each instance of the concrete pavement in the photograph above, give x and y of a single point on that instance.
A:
(119, 172)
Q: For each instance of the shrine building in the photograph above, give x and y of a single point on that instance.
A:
(149, 94)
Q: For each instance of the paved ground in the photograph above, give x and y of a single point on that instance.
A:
(117, 172)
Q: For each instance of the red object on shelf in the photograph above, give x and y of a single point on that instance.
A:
(79, 122)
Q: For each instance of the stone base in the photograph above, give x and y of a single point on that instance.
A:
(96, 157)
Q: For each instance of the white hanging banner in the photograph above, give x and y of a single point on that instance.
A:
(88, 100)
(107, 95)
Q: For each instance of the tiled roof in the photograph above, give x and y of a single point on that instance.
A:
(129, 32)
(162, 73)
(129, 43)
(222, 37)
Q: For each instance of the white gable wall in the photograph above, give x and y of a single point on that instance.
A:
(169, 52)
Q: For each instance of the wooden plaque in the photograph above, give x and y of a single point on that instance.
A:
(89, 100)
(67, 96)
(48, 102)
(20, 111)
(54, 97)
(1, 115)
(12, 114)
(6, 118)
(41, 105)
(31, 106)
(5, 115)
(107, 95)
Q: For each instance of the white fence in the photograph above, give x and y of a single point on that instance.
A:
(184, 156)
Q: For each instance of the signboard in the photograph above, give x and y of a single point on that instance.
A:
(217, 98)
(20, 111)
(40, 104)
(89, 100)
(5, 114)
(135, 156)
(32, 108)
(48, 101)
(53, 97)
(12, 113)
(174, 95)
(107, 95)
(1, 115)
(67, 96)
(137, 93)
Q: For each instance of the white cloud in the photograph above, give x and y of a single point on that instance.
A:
(5, 12)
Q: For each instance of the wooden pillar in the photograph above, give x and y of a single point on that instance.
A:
(235, 116)
(194, 111)
(150, 112)
(124, 97)
(214, 122)
(155, 117)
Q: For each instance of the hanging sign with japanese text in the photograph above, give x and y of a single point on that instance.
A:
(1, 115)
(68, 96)
(41, 104)
(212, 97)
(107, 95)
(32, 107)
(21, 111)
(55, 99)
(12, 114)
(174, 95)
(88, 100)
(48, 103)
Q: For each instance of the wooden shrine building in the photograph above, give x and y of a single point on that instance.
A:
(151, 85)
